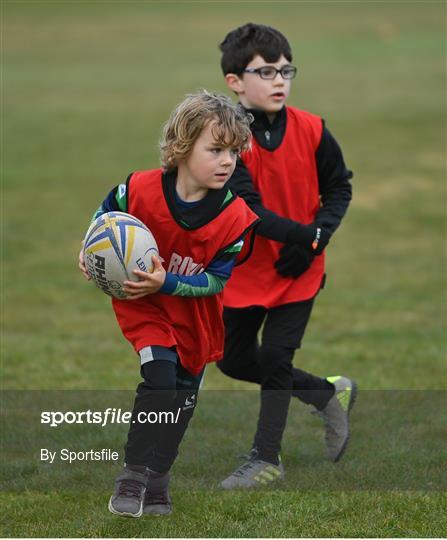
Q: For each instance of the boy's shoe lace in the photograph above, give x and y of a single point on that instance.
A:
(253, 473)
(129, 488)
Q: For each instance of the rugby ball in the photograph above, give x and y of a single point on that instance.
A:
(117, 243)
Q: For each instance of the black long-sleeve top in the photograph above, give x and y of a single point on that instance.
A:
(333, 179)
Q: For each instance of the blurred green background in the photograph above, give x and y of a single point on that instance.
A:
(86, 87)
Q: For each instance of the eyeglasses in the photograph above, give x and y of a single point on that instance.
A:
(270, 72)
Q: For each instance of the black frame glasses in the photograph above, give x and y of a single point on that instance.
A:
(270, 72)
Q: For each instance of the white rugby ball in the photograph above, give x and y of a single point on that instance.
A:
(117, 243)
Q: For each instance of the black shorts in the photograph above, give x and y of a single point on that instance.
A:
(284, 326)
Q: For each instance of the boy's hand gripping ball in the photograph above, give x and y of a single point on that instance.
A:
(117, 243)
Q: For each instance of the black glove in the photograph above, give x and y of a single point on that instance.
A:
(293, 260)
(313, 237)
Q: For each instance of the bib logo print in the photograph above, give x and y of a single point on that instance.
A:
(184, 266)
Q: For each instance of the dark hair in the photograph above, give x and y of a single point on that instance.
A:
(241, 45)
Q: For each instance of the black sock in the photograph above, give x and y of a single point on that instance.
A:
(270, 457)
(312, 390)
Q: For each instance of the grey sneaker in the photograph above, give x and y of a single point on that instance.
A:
(157, 501)
(336, 416)
(252, 474)
(130, 487)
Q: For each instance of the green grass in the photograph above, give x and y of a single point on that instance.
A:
(86, 87)
(198, 513)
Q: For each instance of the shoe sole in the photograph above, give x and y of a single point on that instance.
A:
(124, 514)
(351, 404)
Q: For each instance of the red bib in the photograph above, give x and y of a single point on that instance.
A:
(287, 181)
(193, 325)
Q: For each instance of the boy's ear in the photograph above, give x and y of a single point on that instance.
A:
(234, 82)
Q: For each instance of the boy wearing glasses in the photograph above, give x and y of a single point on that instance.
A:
(294, 177)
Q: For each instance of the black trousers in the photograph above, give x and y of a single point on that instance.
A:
(169, 391)
(269, 364)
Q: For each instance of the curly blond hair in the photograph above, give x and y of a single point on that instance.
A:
(192, 115)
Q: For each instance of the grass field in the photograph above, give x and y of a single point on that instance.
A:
(86, 87)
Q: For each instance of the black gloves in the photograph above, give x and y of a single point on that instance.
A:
(294, 260)
(303, 243)
(313, 236)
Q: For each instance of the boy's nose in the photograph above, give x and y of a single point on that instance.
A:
(227, 157)
(279, 79)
